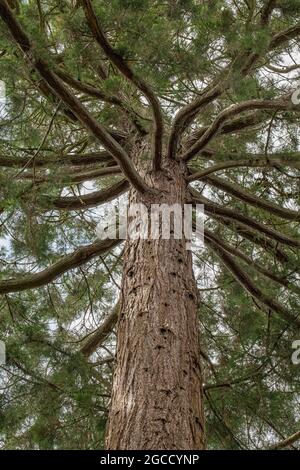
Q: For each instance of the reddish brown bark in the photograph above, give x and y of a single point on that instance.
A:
(157, 390)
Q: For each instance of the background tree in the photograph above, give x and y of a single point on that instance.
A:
(176, 101)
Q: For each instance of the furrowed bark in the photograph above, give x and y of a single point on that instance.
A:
(157, 391)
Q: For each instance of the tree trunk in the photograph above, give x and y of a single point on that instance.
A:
(157, 390)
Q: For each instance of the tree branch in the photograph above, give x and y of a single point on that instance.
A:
(246, 282)
(286, 442)
(69, 159)
(97, 338)
(70, 100)
(97, 93)
(216, 210)
(71, 261)
(88, 200)
(238, 192)
(125, 69)
(240, 254)
(219, 122)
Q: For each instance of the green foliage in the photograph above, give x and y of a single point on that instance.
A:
(53, 397)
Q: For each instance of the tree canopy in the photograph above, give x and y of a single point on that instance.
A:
(208, 82)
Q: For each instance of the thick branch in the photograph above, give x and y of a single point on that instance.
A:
(219, 122)
(249, 262)
(97, 93)
(286, 442)
(259, 161)
(71, 261)
(235, 125)
(125, 69)
(68, 178)
(267, 11)
(216, 210)
(70, 100)
(256, 238)
(97, 338)
(69, 159)
(245, 281)
(238, 192)
(283, 36)
(88, 200)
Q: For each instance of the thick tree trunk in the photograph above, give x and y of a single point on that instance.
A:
(157, 390)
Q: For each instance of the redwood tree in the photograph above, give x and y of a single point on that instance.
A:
(175, 102)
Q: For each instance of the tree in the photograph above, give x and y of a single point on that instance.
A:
(171, 102)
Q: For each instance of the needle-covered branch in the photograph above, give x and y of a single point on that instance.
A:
(216, 126)
(73, 177)
(246, 282)
(250, 262)
(88, 200)
(58, 87)
(251, 160)
(216, 210)
(74, 260)
(127, 71)
(247, 60)
(237, 191)
(59, 160)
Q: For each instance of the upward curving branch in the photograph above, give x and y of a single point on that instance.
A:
(60, 90)
(247, 60)
(267, 11)
(219, 122)
(126, 70)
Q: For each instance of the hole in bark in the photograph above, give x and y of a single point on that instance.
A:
(130, 273)
(180, 260)
(132, 291)
(173, 274)
(159, 347)
(191, 296)
(166, 305)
